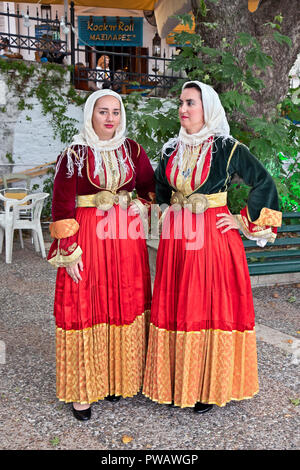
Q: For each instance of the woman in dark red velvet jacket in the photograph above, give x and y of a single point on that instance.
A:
(103, 287)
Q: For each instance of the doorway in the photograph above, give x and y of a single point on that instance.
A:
(132, 61)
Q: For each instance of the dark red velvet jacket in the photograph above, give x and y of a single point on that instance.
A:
(66, 189)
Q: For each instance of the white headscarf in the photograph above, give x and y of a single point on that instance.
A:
(215, 123)
(88, 137)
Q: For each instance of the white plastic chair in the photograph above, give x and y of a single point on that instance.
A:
(12, 218)
(16, 176)
(18, 193)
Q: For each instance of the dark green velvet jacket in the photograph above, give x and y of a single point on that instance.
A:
(263, 190)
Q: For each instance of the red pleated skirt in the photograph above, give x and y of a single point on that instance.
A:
(202, 345)
(101, 322)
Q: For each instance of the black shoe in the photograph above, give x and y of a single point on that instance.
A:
(82, 415)
(112, 398)
(202, 407)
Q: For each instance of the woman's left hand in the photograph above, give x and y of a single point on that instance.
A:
(228, 221)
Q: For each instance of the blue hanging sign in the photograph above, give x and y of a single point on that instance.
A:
(110, 31)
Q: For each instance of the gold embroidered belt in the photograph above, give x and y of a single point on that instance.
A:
(198, 203)
(104, 200)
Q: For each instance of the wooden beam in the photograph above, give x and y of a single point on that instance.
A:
(32, 172)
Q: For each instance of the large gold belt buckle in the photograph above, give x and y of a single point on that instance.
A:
(199, 203)
(104, 200)
(196, 203)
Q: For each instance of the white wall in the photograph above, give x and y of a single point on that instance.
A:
(30, 142)
(34, 142)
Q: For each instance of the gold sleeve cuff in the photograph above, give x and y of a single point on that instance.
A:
(264, 234)
(63, 228)
(61, 261)
(268, 217)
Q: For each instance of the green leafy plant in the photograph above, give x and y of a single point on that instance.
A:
(9, 157)
(153, 120)
(50, 85)
(55, 441)
(237, 197)
(273, 139)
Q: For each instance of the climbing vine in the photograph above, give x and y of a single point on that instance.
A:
(50, 85)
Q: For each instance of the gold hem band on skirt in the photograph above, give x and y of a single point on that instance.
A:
(101, 360)
(208, 366)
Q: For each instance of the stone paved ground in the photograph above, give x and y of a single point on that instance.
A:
(32, 418)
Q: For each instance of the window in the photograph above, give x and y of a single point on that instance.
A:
(46, 12)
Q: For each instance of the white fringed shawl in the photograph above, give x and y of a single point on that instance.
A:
(215, 124)
(88, 137)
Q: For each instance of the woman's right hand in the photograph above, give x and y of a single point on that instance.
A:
(74, 270)
(228, 221)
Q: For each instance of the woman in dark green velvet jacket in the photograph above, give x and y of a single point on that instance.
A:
(202, 346)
